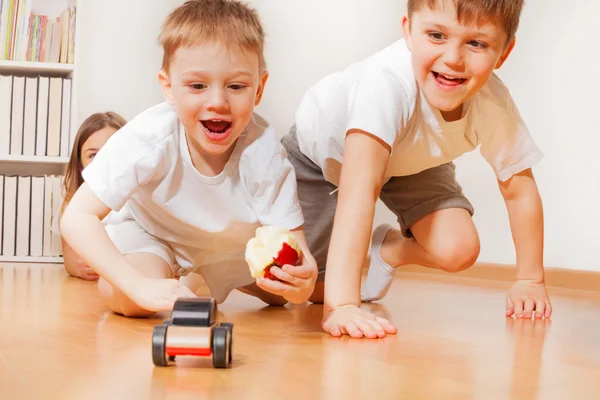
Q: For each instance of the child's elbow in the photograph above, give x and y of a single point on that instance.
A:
(66, 221)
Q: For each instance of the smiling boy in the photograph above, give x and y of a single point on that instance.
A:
(389, 127)
(195, 176)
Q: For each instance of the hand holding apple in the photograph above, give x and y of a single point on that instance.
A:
(279, 265)
(270, 246)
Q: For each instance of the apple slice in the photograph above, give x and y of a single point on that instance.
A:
(271, 245)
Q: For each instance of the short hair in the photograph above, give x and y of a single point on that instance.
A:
(227, 21)
(506, 12)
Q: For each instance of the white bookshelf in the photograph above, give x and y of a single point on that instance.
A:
(32, 67)
(33, 160)
(46, 260)
(25, 165)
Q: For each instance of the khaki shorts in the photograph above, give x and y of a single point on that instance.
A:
(410, 198)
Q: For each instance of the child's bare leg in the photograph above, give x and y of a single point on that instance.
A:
(148, 264)
(274, 300)
(446, 239)
(269, 298)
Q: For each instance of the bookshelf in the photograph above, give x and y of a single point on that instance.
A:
(30, 160)
(35, 68)
(34, 159)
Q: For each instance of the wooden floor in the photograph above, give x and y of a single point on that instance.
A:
(57, 341)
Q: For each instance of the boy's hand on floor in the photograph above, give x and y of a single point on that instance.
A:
(158, 294)
(296, 282)
(351, 320)
(86, 272)
(526, 298)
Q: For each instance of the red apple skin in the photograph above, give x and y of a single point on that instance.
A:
(287, 255)
(269, 275)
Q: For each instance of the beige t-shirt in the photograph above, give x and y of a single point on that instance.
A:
(380, 95)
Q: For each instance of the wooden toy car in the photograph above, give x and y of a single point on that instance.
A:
(193, 331)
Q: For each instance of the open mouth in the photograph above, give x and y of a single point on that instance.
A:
(217, 129)
(217, 126)
(448, 81)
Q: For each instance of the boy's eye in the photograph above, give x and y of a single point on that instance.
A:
(197, 86)
(436, 35)
(478, 45)
(236, 87)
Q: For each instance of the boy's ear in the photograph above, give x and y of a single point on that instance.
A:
(261, 88)
(507, 52)
(406, 31)
(165, 81)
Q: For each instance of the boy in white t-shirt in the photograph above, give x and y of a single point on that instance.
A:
(193, 177)
(389, 127)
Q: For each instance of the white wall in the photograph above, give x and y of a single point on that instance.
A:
(551, 74)
(119, 56)
(308, 39)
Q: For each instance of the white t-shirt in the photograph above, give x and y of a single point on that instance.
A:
(380, 95)
(146, 167)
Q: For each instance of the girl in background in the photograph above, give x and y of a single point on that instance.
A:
(93, 133)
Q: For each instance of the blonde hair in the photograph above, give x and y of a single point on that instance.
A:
(506, 12)
(229, 22)
(95, 122)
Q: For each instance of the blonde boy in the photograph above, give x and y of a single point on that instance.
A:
(192, 177)
(389, 127)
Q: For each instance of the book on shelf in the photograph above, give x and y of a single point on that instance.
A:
(27, 36)
(35, 116)
(29, 216)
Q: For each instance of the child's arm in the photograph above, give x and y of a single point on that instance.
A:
(365, 162)
(81, 226)
(75, 266)
(525, 213)
(271, 182)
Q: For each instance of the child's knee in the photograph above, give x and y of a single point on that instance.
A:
(459, 254)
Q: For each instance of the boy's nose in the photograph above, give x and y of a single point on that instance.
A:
(217, 100)
(453, 57)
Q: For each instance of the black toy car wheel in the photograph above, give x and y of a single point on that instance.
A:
(229, 327)
(159, 338)
(221, 343)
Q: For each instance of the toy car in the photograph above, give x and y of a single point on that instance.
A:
(193, 331)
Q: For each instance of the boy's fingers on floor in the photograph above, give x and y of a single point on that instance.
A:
(518, 304)
(335, 331)
(387, 325)
(351, 329)
(510, 309)
(540, 307)
(548, 312)
(377, 327)
(366, 328)
(529, 305)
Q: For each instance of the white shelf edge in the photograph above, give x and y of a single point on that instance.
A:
(30, 259)
(34, 159)
(35, 67)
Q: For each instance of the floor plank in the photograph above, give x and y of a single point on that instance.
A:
(58, 341)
